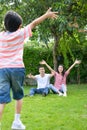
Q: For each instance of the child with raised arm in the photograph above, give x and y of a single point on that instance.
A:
(12, 70)
(60, 77)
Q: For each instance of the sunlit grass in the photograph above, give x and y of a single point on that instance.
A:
(52, 112)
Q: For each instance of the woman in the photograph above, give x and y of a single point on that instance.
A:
(60, 77)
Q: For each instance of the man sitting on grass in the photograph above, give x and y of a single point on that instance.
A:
(43, 82)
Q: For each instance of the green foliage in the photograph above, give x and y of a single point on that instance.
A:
(32, 57)
(69, 42)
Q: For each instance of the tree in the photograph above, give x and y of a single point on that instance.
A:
(71, 12)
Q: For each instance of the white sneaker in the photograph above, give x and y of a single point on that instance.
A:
(18, 125)
(65, 95)
(60, 94)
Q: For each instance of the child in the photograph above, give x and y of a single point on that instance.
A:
(12, 71)
(60, 77)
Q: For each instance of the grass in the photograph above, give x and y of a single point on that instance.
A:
(52, 112)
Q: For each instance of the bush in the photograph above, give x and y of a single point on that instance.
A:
(32, 57)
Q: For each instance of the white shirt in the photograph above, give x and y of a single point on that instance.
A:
(42, 82)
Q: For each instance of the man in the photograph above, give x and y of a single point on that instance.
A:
(43, 82)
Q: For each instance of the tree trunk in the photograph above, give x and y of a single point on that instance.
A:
(78, 75)
(55, 51)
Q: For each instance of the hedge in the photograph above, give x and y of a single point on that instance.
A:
(32, 57)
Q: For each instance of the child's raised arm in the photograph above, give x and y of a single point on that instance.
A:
(48, 14)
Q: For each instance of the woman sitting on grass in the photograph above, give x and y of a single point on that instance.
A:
(60, 77)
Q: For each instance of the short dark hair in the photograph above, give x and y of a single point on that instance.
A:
(12, 21)
(41, 66)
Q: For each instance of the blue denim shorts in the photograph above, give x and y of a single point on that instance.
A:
(11, 79)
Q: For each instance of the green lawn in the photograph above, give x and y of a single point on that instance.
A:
(52, 112)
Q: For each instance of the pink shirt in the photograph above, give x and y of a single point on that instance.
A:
(59, 79)
(11, 47)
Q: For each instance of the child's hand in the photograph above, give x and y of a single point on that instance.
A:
(51, 14)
